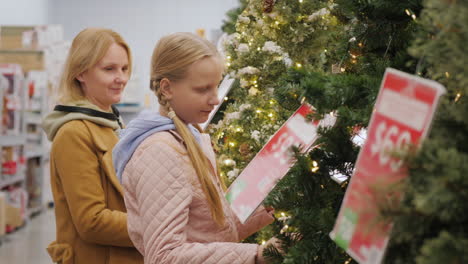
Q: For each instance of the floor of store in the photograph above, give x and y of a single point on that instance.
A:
(28, 244)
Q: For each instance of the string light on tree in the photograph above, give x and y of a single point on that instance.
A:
(226, 98)
(315, 167)
(457, 97)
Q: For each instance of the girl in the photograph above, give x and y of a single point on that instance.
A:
(177, 212)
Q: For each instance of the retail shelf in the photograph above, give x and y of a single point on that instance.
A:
(33, 118)
(11, 140)
(35, 153)
(34, 137)
(19, 177)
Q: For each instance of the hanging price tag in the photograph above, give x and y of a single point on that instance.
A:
(403, 114)
(273, 161)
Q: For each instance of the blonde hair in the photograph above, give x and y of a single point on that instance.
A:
(87, 49)
(171, 59)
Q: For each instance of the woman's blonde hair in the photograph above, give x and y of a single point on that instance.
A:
(171, 59)
(87, 49)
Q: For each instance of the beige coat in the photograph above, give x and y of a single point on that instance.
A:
(169, 219)
(90, 212)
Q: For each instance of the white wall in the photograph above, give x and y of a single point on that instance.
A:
(140, 22)
(24, 12)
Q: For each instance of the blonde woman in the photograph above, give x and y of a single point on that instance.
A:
(177, 212)
(91, 220)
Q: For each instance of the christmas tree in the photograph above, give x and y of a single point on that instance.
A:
(430, 225)
(333, 56)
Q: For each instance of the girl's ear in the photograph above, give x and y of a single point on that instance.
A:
(165, 86)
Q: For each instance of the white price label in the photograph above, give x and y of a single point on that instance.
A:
(387, 139)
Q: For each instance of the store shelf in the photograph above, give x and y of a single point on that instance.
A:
(19, 177)
(33, 118)
(35, 153)
(10, 140)
(34, 137)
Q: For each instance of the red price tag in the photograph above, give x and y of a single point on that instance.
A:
(273, 162)
(403, 114)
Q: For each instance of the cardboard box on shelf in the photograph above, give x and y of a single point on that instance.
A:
(14, 216)
(11, 37)
(29, 59)
(30, 37)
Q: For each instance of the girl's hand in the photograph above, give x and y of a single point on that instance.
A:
(270, 210)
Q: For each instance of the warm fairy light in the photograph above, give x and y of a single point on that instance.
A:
(238, 129)
(458, 97)
(263, 242)
(321, 186)
(447, 74)
(408, 12)
(360, 44)
(270, 114)
(228, 57)
(272, 102)
(232, 144)
(300, 1)
(258, 49)
(354, 61)
(255, 81)
(343, 69)
(325, 50)
(228, 162)
(258, 111)
(256, 86)
(298, 65)
(286, 226)
(413, 16)
(283, 214)
(225, 98)
(228, 64)
(277, 23)
(315, 166)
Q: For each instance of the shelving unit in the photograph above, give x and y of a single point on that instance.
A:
(12, 146)
(25, 182)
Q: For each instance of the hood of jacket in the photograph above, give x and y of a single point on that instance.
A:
(144, 125)
(56, 119)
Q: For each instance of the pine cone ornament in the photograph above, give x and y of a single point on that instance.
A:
(244, 149)
(268, 5)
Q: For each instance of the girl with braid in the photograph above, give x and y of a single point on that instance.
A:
(175, 199)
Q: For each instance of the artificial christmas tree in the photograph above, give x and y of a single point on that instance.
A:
(333, 56)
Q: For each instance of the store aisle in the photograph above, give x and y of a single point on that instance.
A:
(28, 245)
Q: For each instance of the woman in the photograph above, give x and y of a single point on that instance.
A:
(91, 220)
(177, 212)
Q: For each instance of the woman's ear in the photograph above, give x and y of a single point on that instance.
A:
(165, 86)
(81, 77)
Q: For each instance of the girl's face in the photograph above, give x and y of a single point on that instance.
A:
(195, 96)
(103, 83)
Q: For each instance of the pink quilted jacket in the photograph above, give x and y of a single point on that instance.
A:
(169, 220)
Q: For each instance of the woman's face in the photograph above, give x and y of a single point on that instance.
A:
(195, 96)
(104, 82)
